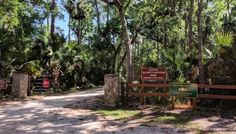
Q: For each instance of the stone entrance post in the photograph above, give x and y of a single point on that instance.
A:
(112, 89)
(20, 85)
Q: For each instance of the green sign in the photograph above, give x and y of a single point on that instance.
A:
(188, 90)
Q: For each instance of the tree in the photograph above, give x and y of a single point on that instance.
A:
(190, 25)
(53, 6)
(200, 40)
(81, 14)
(98, 16)
(113, 35)
(122, 8)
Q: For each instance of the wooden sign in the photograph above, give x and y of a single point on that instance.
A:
(188, 90)
(153, 74)
(3, 84)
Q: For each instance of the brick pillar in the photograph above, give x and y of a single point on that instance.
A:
(112, 89)
(20, 85)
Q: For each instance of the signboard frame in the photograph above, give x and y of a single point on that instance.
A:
(183, 90)
(151, 73)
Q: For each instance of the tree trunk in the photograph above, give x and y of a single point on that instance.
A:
(79, 33)
(190, 25)
(121, 61)
(108, 11)
(69, 37)
(228, 2)
(126, 39)
(185, 46)
(125, 35)
(1, 66)
(98, 16)
(48, 19)
(53, 5)
(165, 40)
(200, 41)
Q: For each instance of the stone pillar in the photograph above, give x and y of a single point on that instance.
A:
(112, 89)
(20, 85)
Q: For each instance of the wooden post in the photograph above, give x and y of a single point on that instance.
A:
(194, 104)
(127, 94)
(172, 102)
(142, 99)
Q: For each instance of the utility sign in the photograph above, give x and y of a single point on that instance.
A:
(188, 90)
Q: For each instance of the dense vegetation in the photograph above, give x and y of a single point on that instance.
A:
(195, 40)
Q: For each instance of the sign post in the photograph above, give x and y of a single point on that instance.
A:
(152, 74)
(186, 90)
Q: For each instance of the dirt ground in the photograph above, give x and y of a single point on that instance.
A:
(76, 113)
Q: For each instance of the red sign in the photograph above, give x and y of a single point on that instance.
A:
(3, 84)
(45, 83)
(153, 74)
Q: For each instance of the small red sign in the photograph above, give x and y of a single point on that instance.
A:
(45, 83)
(153, 73)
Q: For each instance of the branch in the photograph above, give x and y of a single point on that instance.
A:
(109, 42)
(135, 36)
(117, 3)
(122, 60)
(118, 48)
(108, 2)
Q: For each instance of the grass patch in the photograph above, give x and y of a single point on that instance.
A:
(169, 120)
(176, 121)
(119, 114)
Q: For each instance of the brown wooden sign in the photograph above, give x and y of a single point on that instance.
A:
(3, 84)
(153, 73)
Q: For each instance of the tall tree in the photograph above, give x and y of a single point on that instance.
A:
(69, 32)
(122, 6)
(190, 25)
(53, 6)
(98, 16)
(48, 18)
(200, 40)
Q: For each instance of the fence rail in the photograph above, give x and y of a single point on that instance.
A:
(149, 85)
(200, 87)
(228, 87)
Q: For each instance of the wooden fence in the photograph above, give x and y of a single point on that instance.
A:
(200, 87)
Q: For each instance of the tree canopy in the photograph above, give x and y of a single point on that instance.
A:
(195, 39)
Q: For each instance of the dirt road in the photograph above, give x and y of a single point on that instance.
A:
(48, 115)
(70, 114)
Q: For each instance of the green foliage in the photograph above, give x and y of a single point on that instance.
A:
(223, 39)
(31, 68)
(175, 60)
